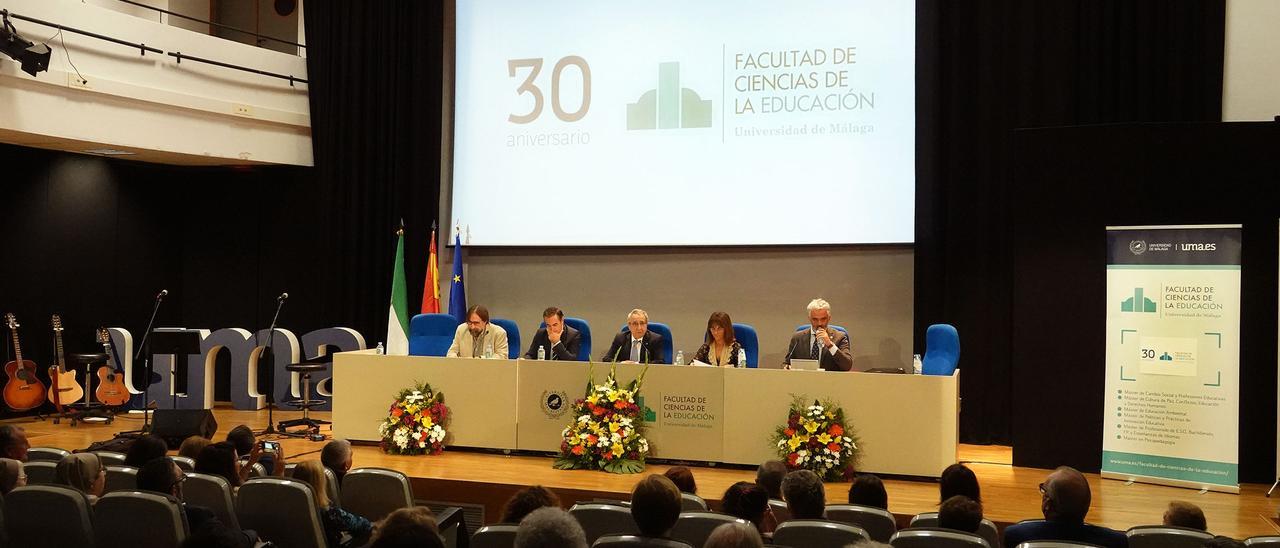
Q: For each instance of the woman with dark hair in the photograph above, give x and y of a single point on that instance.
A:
(720, 348)
(958, 479)
(749, 501)
(219, 459)
(525, 501)
(144, 450)
(868, 490)
(682, 476)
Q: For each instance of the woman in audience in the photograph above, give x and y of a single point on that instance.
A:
(527, 500)
(958, 479)
(12, 475)
(749, 501)
(337, 521)
(219, 459)
(145, 449)
(734, 535)
(83, 472)
(960, 513)
(683, 478)
(655, 505)
(408, 528)
(192, 446)
(721, 349)
(868, 490)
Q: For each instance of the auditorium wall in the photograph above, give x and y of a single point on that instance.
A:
(1251, 75)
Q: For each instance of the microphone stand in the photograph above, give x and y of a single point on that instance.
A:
(144, 353)
(271, 396)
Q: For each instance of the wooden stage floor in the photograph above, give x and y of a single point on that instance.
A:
(488, 478)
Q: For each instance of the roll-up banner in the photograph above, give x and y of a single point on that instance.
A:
(1171, 407)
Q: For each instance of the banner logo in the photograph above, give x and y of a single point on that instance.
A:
(553, 403)
(1138, 247)
(669, 106)
(1138, 303)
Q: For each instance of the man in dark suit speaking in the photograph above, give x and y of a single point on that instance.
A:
(637, 344)
(559, 341)
(829, 346)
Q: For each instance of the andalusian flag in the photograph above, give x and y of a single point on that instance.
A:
(431, 289)
(398, 318)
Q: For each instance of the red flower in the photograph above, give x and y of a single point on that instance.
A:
(592, 439)
(834, 447)
(791, 459)
(836, 430)
(789, 432)
(577, 450)
(396, 411)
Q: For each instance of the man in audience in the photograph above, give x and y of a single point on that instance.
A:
(655, 505)
(769, 475)
(414, 527)
(477, 335)
(336, 456)
(734, 535)
(550, 528)
(1185, 514)
(960, 513)
(525, 501)
(244, 441)
(1064, 500)
(559, 341)
(162, 475)
(637, 344)
(820, 342)
(804, 494)
(13, 443)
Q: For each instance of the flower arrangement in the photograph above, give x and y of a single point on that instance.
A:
(416, 422)
(606, 430)
(817, 438)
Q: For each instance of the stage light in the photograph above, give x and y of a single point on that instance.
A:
(33, 57)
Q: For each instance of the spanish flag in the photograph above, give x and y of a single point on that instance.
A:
(431, 289)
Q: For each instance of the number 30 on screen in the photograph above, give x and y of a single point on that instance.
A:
(535, 66)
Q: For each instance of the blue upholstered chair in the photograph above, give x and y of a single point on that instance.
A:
(431, 334)
(750, 342)
(513, 337)
(941, 350)
(584, 347)
(668, 345)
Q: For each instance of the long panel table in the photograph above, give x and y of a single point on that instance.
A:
(907, 424)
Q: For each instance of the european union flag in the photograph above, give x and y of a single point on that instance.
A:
(457, 294)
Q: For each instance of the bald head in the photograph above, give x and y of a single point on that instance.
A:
(1066, 496)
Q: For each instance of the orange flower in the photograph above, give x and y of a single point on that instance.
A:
(789, 432)
(397, 412)
(592, 439)
(834, 447)
(577, 449)
(836, 430)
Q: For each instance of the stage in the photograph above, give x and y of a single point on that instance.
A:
(487, 478)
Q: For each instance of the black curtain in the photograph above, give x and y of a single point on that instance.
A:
(987, 68)
(376, 70)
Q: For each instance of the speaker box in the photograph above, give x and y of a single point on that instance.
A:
(175, 425)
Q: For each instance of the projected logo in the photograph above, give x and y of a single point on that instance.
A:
(1138, 303)
(669, 106)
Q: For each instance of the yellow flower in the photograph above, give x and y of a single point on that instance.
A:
(593, 399)
(825, 438)
(617, 449)
(793, 443)
(811, 426)
(613, 427)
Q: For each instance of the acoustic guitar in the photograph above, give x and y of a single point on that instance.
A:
(24, 390)
(111, 389)
(63, 387)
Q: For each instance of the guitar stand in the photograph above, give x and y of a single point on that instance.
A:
(80, 411)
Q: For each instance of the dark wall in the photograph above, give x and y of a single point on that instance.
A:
(1068, 185)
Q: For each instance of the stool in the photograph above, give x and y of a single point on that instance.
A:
(88, 409)
(306, 403)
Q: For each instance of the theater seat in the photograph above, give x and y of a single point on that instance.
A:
(513, 337)
(53, 516)
(39, 472)
(599, 520)
(431, 334)
(750, 341)
(281, 510)
(51, 454)
(138, 519)
(636, 541)
(120, 478)
(817, 532)
(937, 538)
(941, 350)
(690, 502)
(879, 524)
(375, 492)
(986, 529)
(502, 535)
(1160, 536)
(214, 493)
(695, 527)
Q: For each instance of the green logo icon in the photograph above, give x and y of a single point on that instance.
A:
(669, 106)
(1138, 303)
(649, 414)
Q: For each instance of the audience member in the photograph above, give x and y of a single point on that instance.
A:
(12, 475)
(13, 443)
(83, 472)
(247, 444)
(655, 505)
(338, 523)
(550, 528)
(769, 475)
(682, 476)
(407, 528)
(162, 475)
(734, 535)
(1223, 542)
(527, 500)
(802, 489)
(958, 479)
(869, 544)
(336, 456)
(192, 446)
(749, 501)
(219, 459)
(145, 449)
(960, 513)
(1064, 501)
(868, 490)
(1185, 514)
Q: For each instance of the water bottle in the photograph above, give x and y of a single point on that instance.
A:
(680, 357)
(381, 349)
(742, 357)
(542, 353)
(488, 350)
(916, 365)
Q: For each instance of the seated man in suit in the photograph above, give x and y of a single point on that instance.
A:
(474, 337)
(1064, 500)
(558, 340)
(637, 344)
(829, 346)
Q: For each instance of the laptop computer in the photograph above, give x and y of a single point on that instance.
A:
(805, 365)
